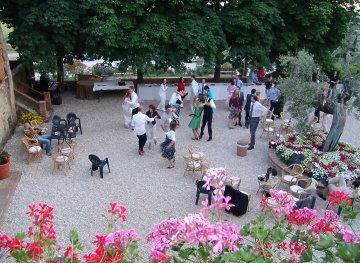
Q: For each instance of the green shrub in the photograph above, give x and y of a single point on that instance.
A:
(3, 157)
(28, 117)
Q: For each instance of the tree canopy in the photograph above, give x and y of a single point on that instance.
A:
(170, 32)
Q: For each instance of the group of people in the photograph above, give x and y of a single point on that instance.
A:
(202, 108)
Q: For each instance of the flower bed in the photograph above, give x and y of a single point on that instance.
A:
(345, 160)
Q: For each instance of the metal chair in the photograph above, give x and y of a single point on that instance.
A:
(96, 163)
(74, 121)
(56, 120)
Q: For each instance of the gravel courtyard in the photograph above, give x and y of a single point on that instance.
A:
(143, 184)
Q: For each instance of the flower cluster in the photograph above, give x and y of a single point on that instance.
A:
(280, 202)
(216, 177)
(194, 230)
(317, 164)
(338, 198)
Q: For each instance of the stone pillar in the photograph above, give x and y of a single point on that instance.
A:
(42, 109)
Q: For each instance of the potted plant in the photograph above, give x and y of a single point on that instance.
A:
(4, 164)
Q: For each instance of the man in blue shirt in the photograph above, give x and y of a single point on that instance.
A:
(274, 96)
(238, 82)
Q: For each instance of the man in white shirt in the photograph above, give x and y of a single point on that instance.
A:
(138, 122)
(194, 93)
(175, 102)
(256, 112)
(134, 101)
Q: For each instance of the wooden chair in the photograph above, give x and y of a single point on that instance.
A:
(291, 173)
(193, 166)
(303, 187)
(268, 128)
(67, 149)
(234, 182)
(33, 148)
(195, 152)
(61, 162)
(37, 127)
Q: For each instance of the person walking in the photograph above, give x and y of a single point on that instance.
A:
(209, 108)
(162, 95)
(256, 112)
(194, 123)
(150, 127)
(126, 110)
(138, 122)
(332, 87)
(247, 107)
(194, 93)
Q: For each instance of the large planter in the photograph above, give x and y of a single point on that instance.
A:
(4, 169)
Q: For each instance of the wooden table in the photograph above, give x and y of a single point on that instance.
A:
(84, 90)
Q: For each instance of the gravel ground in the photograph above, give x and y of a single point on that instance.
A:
(143, 184)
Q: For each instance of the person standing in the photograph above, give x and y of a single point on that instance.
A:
(241, 98)
(126, 110)
(274, 96)
(260, 74)
(234, 105)
(247, 107)
(320, 97)
(202, 90)
(256, 112)
(209, 108)
(230, 91)
(138, 122)
(134, 101)
(169, 146)
(333, 81)
(238, 82)
(268, 85)
(181, 84)
(194, 123)
(176, 101)
(209, 92)
(150, 127)
(194, 93)
(162, 95)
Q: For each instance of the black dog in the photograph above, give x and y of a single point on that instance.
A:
(269, 172)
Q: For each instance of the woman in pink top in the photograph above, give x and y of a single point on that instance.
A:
(231, 88)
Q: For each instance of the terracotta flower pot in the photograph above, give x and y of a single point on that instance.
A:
(4, 169)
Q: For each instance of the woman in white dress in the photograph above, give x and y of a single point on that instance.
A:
(150, 127)
(126, 110)
(162, 95)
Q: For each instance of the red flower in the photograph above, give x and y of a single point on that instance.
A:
(339, 197)
(34, 250)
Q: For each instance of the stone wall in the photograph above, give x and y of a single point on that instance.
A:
(7, 98)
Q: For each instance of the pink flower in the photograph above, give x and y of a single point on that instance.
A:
(157, 256)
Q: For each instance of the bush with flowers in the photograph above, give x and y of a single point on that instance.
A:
(345, 160)
(292, 236)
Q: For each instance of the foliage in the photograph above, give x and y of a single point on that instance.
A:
(294, 236)
(28, 117)
(344, 161)
(4, 157)
(298, 87)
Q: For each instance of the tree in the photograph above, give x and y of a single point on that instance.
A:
(315, 25)
(299, 90)
(44, 31)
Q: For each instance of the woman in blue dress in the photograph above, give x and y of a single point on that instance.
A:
(169, 146)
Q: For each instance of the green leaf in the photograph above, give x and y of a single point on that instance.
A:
(349, 252)
(278, 235)
(185, 253)
(20, 236)
(306, 256)
(202, 253)
(325, 242)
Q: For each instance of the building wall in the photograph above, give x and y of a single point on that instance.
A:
(7, 98)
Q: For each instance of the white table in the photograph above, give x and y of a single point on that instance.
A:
(108, 85)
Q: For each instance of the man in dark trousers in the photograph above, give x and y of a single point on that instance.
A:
(247, 107)
(241, 97)
(257, 111)
(207, 116)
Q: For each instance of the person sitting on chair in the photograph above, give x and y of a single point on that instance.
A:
(41, 138)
